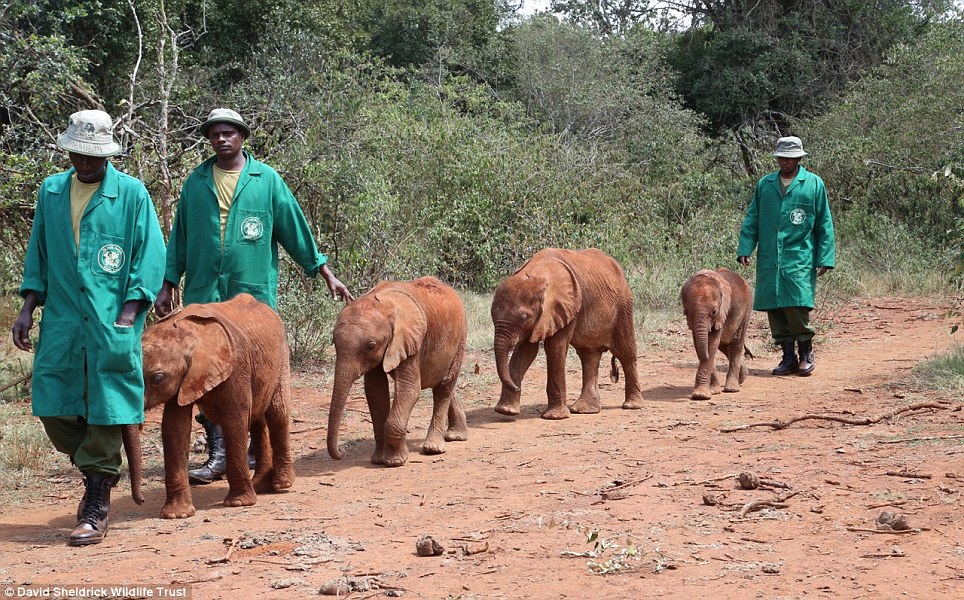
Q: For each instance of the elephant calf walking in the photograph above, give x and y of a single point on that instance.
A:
(562, 298)
(413, 332)
(231, 358)
(717, 305)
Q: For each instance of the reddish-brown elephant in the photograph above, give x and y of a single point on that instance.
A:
(717, 305)
(562, 298)
(231, 359)
(413, 332)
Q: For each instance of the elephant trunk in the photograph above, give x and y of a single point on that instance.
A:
(131, 434)
(339, 396)
(701, 341)
(504, 342)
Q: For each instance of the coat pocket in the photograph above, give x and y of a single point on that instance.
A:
(254, 227)
(109, 257)
(119, 353)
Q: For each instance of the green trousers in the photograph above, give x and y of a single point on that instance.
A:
(791, 323)
(92, 448)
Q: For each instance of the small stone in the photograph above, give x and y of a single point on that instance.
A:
(748, 481)
(771, 568)
(428, 546)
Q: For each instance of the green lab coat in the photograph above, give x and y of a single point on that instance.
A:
(263, 214)
(121, 258)
(793, 235)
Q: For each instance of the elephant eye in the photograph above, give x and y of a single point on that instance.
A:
(157, 378)
(523, 318)
(370, 346)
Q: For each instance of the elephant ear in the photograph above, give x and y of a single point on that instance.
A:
(561, 300)
(212, 359)
(725, 299)
(409, 326)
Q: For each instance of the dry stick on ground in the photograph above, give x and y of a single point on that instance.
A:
(914, 439)
(909, 474)
(778, 502)
(845, 420)
(234, 544)
(894, 531)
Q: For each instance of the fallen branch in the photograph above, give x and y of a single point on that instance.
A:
(894, 503)
(909, 474)
(627, 484)
(710, 480)
(894, 531)
(914, 439)
(847, 421)
(20, 380)
(227, 557)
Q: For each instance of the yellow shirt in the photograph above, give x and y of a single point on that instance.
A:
(225, 182)
(80, 195)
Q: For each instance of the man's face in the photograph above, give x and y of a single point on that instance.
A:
(788, 166)
(226, 139)
(89, 169)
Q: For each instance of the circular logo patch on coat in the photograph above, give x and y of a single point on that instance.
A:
(797, 216)
(110, 257)
(252, 229)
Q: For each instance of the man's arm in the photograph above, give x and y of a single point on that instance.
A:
(24, 322)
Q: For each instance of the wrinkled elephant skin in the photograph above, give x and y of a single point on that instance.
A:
(561, 298)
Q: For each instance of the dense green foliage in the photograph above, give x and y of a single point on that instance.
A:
(455, 138)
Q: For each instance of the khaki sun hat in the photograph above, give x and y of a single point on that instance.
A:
(89, 132)
(225, 115)
(789, 147)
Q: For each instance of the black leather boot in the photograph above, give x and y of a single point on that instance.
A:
(789, 364)
(92, 523)
(806, 358)
(213, 469)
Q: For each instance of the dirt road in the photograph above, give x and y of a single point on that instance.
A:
(529, 508)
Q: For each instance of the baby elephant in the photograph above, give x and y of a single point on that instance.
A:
(231, 359)
(415, 333)
(717, 306)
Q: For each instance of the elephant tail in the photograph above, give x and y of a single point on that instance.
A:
(746, 352)
(614, 373)
(131, 435)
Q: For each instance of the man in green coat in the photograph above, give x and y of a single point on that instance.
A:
(234, 212)
(789, 223)
(94, 262)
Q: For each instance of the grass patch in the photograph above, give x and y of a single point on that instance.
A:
(943, 373)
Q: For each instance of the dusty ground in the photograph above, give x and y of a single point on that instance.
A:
(515, 506)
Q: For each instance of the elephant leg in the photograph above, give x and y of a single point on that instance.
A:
(407, 388)
(588, 402)
(377, 394)
(557, 347)
(624, 349)
(522, 357)
(458, 429)
(735, 368)
(236, 429)
(278, 419)
(176, 436)
(707, 381)
(441, 404)
(262, 455)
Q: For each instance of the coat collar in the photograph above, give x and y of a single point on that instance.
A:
(108, 186)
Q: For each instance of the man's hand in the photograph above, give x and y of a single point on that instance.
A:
(339, 291)
(24, 322)
(128, 314)
(743, 260)
(822, 270)
(164, 304)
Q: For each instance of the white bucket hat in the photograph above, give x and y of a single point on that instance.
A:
(225, 115)
(89, 132)
(789, 147)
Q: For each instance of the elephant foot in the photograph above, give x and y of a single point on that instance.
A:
(585, 407)
(262, 483)
(731, 388)
(247, 498)
(433, 447)
(456, 435)
(507, 408)
(743, 373)
(556, 412)
(282, 482)
(700, 394)
(633, 402)
(178, 510)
